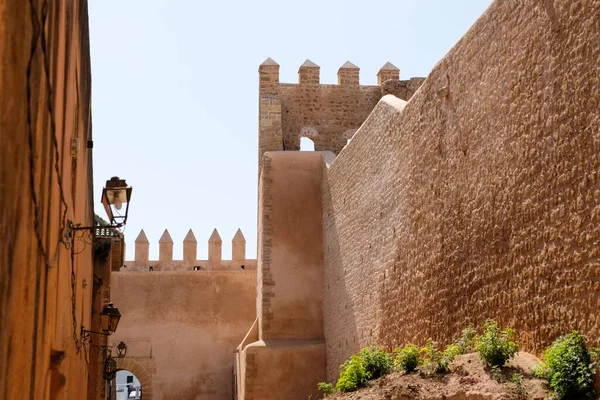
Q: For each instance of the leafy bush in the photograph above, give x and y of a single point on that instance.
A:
(370, 363)
(352, 374)
(496, 346)
(435, 361)
(376, 361)
(407, 358)
(466, 341)
(568, 367)
(325, 388)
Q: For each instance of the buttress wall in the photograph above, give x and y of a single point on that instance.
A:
(481, 198)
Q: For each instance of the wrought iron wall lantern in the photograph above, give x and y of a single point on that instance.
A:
(109, 320)
(121, 350)
(115, 195)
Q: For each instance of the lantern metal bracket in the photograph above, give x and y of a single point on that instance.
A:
(87, 335)
(74, 227)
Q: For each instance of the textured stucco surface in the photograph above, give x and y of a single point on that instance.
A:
(291, 241)
(481, 199)
(190, 322)
(45, 278)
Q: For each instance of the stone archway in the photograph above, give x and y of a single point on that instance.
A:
(143, 369)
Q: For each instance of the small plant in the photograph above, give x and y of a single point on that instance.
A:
(497, 374)
(496, 346)
(370, 363)
(407, 358)
(325, 388)
(352, 374)
(520, 387)
(435, 361)
(376, 361)
(568, 367)
(466, 341)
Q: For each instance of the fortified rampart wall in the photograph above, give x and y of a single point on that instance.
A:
(165, 260)
(182, 327)
(481, 198)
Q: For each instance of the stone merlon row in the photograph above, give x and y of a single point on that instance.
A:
(190, 245)
(348, 74)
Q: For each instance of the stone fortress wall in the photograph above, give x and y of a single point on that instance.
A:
(183, 319)
(480, 197)
(181, 328)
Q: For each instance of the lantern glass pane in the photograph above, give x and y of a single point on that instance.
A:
(114, 322)
(104, 322)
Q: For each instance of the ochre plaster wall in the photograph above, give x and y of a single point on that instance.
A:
(190, 323)
(481, 199)
(283, 369)
(45, 274)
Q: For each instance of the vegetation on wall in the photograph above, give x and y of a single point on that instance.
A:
(567, 364)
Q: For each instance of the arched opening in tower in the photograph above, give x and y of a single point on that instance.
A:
(127, 386)
(306, 144)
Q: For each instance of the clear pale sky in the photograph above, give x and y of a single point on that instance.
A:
(175, 93)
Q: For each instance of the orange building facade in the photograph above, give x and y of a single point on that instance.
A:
(47, 278)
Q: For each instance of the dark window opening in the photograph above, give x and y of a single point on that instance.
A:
(150, 268)
(243, 267)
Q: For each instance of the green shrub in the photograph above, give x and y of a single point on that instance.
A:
(497, 374)
(435, 361)
(325, 388)
(466, 341)
(520, 387)
(352, 374)
(407, 358)
(568, 367)
(370, 363)
(376, 361)
(496, 346)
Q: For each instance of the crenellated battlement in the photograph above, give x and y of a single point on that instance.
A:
(309, 74)
(327, 114)
(190, 262)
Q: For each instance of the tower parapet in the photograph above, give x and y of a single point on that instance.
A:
(165, 245)
(238, 248)
(142, 248)
(190, 262)
(388, 72)
(348, 74)
(215, 247)
(308, 74)
(268, 75)
(190, 247)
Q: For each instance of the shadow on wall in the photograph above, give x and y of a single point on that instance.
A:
(338, 301)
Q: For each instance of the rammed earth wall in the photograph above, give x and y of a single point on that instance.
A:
(481, 198)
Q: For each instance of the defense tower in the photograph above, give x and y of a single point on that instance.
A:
(327, 114)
